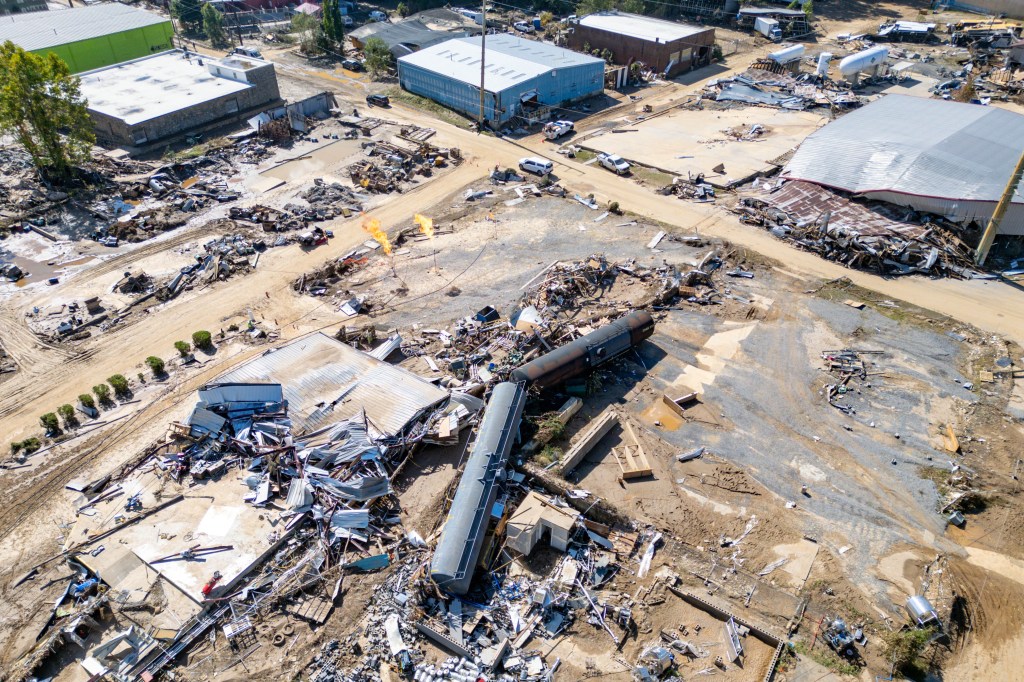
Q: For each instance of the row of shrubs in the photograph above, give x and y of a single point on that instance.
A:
(51, 421)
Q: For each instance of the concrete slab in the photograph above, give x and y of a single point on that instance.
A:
(694, 142)
(799, 560)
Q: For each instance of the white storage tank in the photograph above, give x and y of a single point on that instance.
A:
(823, 61)
(921, 610)
(787, 54)
(865, 60)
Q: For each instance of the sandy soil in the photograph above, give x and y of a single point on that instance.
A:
(50, 375)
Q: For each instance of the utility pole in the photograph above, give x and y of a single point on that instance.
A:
(483, 62)
(992, 229)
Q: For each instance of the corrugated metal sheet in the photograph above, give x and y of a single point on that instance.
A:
(510, 60)
(39, 30)
(202, 421)
(638, 26)
(449, 73)
(934, 154)
(317, 369)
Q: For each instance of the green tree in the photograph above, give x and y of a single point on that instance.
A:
(155, 364)
(632, 6)
(182, 347)
(67, 413)
(902, 647)
(591, 6)
(189, 13)
(378, 57)
(102, 392)
(120, 385)
(87, 401)
(334, 27)
(50, 423)
(213, 25)
(302, 22)
(546, 18)
(42, 107)
(402, 9)
(202, 339)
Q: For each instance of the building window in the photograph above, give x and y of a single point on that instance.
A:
(139, 136)
(231, 106)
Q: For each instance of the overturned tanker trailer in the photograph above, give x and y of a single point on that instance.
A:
(586, 352)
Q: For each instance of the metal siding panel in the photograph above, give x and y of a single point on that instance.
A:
(40, 30)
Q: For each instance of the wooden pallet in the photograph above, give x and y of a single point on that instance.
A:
(631, 458)
(310, 607)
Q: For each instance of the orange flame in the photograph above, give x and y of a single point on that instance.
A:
(426, 224)
(372, 226)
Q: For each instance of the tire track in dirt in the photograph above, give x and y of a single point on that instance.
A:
(24, 500)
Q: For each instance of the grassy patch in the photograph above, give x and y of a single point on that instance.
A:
(940, 477)
(445, 114)
(549, 454)
(651, 176)
(841, 289)
(826, 657)
(584, 155)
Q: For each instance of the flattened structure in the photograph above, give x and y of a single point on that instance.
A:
(326, 381)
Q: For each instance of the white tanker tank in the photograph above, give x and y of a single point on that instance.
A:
(787, 54)
(865, 60)
(823, 61)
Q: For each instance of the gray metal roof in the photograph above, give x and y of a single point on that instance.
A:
(39, 30)
(510, 60)
(407, 36)
(639, 26)
(915, 146)
(326, 381)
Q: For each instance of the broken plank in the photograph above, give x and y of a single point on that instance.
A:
(595, 431)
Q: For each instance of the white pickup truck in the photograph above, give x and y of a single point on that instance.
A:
(556, 129)
(614, 163)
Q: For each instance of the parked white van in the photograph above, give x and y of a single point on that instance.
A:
(531, 164)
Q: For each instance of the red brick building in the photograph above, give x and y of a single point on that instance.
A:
(668, 47)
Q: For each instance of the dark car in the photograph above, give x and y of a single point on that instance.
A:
(352, 65)
(378, 100)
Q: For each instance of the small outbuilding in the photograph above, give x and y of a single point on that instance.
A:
(522, 78)
(536, 519)
(668, 47)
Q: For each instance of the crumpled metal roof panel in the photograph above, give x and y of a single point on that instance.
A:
(326, 381)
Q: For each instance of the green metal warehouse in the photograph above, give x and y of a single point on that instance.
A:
(90, 37)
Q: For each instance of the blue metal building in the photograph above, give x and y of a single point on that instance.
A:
(521, 76)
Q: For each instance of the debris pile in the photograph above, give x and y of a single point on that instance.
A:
(861, 237)
(222, 257)
(844, 365)
(778, 90)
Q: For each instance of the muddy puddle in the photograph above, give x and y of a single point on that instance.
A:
(319, 160)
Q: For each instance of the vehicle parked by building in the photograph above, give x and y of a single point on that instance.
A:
(614, 163)
(556, 129)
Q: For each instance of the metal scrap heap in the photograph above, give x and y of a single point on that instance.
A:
(861, 237)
